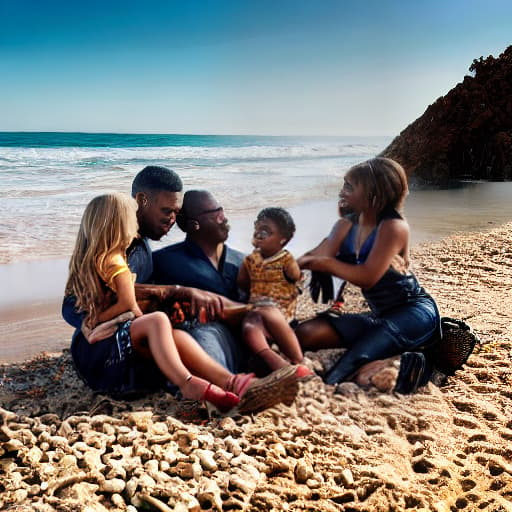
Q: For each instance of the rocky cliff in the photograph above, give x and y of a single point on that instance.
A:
(465, 134)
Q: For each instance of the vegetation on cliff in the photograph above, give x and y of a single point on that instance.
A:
(466, 134)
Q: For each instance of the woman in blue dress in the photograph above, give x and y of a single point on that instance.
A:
(369, 247)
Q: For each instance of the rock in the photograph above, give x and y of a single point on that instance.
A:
(465, 134)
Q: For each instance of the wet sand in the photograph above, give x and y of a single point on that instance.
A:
(366, 449)
(31, 290)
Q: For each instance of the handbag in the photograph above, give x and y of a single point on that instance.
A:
(456, 344)
(443, 356)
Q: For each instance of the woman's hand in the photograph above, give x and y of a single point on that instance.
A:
(317, 263)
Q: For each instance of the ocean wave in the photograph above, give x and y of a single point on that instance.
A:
(83, 156)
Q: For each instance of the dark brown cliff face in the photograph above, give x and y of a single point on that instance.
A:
(465, 134)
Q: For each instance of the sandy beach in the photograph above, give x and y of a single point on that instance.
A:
(366, 449)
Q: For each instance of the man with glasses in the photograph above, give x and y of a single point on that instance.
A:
(204, 261)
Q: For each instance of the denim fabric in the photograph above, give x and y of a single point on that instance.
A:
(140, 260)
(219, 343)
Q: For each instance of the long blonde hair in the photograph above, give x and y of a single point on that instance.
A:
(108, 226)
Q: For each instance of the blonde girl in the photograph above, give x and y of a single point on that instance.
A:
(103, 285)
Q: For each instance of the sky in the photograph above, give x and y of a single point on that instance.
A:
(270, 67)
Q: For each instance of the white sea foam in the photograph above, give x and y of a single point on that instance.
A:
(44, 190)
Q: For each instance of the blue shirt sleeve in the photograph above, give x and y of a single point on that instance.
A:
(69, 313)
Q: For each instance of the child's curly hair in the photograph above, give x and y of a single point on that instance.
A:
(282, 219)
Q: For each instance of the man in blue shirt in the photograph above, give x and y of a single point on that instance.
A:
(204, 261)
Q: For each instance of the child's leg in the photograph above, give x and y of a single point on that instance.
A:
(255, 335)
(156, 329)
(280, 331)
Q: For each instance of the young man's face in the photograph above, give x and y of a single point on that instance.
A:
(157, 212)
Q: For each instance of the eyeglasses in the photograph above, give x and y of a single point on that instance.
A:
(218, 211)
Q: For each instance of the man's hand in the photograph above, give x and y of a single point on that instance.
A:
(204, 303)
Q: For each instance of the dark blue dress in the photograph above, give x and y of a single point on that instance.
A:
(403, 315)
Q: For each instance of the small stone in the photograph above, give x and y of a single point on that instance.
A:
(303, 472)
(115, 485)
(206, 458)
(347, 478)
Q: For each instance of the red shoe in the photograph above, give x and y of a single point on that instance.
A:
(239, 383)
(224, 401)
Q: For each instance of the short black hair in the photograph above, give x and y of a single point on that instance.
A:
(281, 217)
(190, 207)
(155, 178)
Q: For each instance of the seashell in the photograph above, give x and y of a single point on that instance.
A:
(206, 459)
(209, 495)
(303, 472)
(45, 446)
(114, 485)
(25, 436)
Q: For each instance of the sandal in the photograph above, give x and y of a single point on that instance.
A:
(281, 386)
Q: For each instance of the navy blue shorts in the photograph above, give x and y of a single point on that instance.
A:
(407, 327)
(111, 365)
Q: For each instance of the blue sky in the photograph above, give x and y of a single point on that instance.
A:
(318, 67)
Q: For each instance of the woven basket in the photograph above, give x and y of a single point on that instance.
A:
(455, 346)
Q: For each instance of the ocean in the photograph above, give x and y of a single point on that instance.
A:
(48, 178)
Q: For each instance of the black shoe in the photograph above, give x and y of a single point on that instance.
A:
(413, 373)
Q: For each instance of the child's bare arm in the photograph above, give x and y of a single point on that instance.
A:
(292, 271)
(126, 300)
(244, 280)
